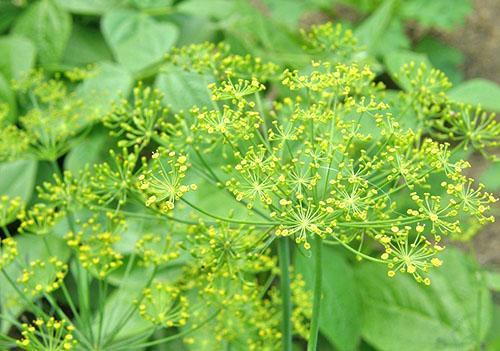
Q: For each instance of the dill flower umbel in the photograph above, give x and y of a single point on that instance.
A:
(94, 242)
(9, 209)
(8, 252)
(43, 277)
(162, 304)
(156, 249)
(163, 184)
(39, 220)
(47, 335)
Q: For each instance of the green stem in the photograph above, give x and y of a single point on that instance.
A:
(318, 277)
(286, 294)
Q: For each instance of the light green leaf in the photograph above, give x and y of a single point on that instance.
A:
(137, 40)
(340, 312)
(49, 28)
(493, 280)
(490, 177)
(183, 89)
(17, 178)
(18, 56)
(478, 92)
(436, 13)
(371, 31)
(89, 44)
(151, 4)
(217, 9)
(493, 338)
(91, 7)
(453, 313)
(109, 82)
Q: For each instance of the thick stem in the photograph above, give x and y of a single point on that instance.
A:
(318, 278)
(286, 294)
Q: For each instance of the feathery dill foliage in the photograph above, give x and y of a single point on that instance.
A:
(311, 155)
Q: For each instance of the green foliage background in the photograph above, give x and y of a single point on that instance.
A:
(126, 40)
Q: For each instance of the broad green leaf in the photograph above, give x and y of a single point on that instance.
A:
(453, 313)
(288, 12)
(490, 177)
(493, 339)
(216, 9)
(436, 13)
(17, 178)
(93, 149)
(152, 4)
(478, 92)
(8, 13)
(89, 44)
(8, 97)
(108, 83)
(493, 280)
(49, 28)
(137, 40)
(182, 90)
(18, 56)
(193, 29)
(340, 312)
(443, 57)
(394, 38)
(91, 7)
(371, 31)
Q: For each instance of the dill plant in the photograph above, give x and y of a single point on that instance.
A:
(316, 155)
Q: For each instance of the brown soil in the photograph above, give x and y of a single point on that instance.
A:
(479, 40)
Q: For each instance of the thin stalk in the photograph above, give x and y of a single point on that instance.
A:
(286, 294)
(230, 220)
(318, 280)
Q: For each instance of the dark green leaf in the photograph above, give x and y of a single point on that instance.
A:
(443, 57)
(137, 40)
(89, 44)
(49, 28)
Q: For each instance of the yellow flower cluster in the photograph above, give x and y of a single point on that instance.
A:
(50, 334)
(163, 184)
(162, 304)
(8, 252)
(156, 249)
(9, 209)
(43, 276)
